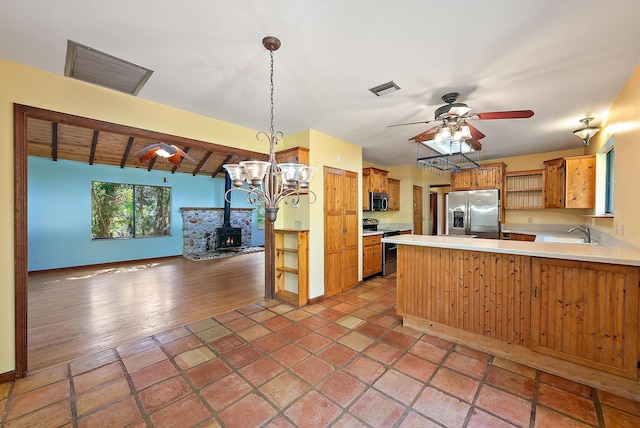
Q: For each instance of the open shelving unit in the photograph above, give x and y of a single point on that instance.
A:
(292, 266)
(524, 190)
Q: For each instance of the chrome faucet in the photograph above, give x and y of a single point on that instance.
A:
(585, 231)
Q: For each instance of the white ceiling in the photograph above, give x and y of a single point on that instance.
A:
(563, 59)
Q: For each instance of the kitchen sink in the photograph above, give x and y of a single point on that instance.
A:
(566, 240)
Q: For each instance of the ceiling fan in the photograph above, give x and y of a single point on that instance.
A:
(453, 116)
(173, 153)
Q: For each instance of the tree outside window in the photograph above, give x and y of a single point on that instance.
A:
(129, 211)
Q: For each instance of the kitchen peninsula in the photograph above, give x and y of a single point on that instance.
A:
(567, 309)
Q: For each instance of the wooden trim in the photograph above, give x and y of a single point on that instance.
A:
(576, 372)
(7, 377)
(20, 238)
(317, 299)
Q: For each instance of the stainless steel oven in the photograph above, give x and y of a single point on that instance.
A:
(389, 254)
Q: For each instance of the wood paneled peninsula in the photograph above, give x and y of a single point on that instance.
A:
(567, 309)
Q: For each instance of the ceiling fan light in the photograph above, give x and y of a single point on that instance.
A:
(465, 131)
(163, 153)
(445, 132)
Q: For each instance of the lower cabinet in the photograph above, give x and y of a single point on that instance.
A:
(586, 313)
(522, 237)
(372, 255)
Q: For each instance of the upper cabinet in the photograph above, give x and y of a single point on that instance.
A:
(375, 179)
(570, 182)
(393, 187)
(486, 176)
(293, 155)
(524, 190)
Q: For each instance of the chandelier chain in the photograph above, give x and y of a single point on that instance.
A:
(271, 129)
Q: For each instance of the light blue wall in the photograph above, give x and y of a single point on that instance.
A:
(60, 212)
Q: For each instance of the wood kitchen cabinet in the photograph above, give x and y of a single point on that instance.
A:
(486, 176)
(341, 230)
(586, 313)
(393, 186)
(376, 180)
(570, 182)
(524, 190)
(293, 155)
(522, 237)
(371, 255)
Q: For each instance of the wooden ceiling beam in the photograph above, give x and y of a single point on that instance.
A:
(54, 141)
(202, 162)
(220, 167)
(151, 163)
(94, 146)
(125, 156)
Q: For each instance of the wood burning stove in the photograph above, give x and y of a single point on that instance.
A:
(226, 236)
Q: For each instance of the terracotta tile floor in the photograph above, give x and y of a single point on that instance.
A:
(345, 362)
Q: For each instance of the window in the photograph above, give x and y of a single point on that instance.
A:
(608, 196)
(129, 210)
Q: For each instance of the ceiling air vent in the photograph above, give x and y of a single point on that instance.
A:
(385, 88)
(92, 66)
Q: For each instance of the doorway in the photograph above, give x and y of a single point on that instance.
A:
(417, 210)
(433, 213)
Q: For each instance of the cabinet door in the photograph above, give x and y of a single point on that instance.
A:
(489, 176)
(580, 182)
(586, 313)
(293, 155)
(463, 180)
(394, 194)
(341, 230)
(554, 186)
(366, 188)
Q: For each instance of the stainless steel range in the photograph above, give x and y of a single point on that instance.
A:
(389, 251)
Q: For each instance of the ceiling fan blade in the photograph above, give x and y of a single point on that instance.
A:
(413, 123)
(182, 153)
(148, 154)
(475, 133)
(175, 159)
(475, 144)
(429, 134)
(514, 114)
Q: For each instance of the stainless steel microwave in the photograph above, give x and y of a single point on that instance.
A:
(378, 201)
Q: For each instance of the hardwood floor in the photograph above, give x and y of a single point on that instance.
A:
(80, 311)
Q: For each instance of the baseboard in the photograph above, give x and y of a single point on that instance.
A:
(8, 376)
(315, 300)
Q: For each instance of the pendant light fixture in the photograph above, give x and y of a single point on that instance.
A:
(587, 131)
(269, 181)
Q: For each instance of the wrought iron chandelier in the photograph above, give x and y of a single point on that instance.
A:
(448, 150)
(269, 181)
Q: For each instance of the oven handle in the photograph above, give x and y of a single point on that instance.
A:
(392, 247)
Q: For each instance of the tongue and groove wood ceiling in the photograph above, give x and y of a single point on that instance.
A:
(57, 135)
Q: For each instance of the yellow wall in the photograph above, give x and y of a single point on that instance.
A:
(623, 123)
(325, 150)
(29, 86)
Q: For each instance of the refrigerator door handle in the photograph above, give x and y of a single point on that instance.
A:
(467, 228)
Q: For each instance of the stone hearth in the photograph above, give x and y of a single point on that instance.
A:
(199, 227)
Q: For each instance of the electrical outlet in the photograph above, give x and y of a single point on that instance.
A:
(298, 224)
(622, 230)
(530, 219)
(616, 226)
(37, 259)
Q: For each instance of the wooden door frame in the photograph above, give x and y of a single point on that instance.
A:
(433, 212)
(21, 114)
(421, 207)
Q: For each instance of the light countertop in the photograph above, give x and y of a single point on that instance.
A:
(580, 252)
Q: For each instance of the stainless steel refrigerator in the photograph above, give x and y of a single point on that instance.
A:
(474, 212)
